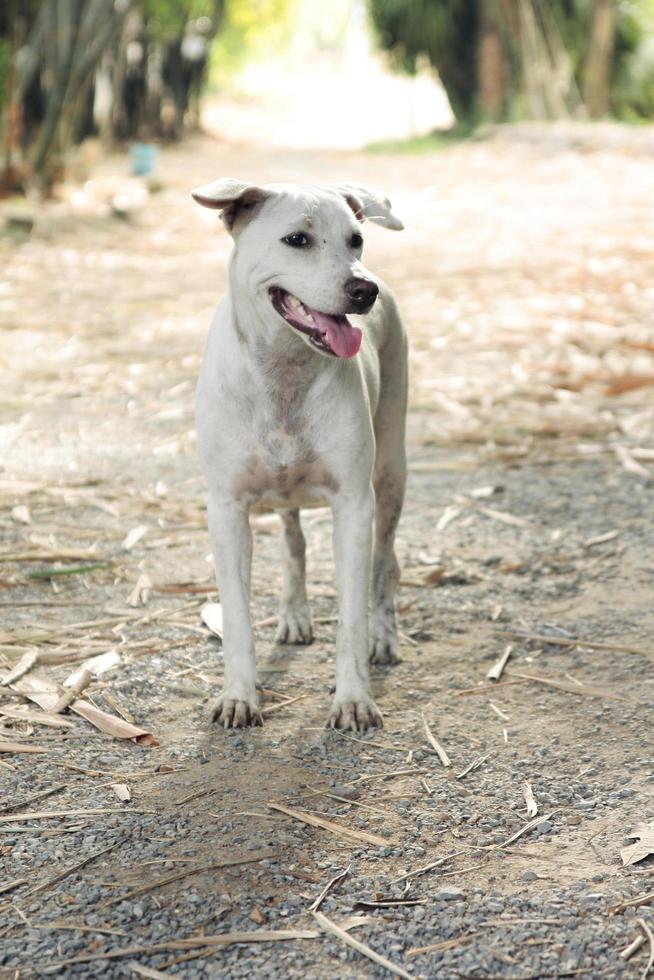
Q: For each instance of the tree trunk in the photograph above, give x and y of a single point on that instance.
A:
(597, 69)
(83, 31)
(491, 69)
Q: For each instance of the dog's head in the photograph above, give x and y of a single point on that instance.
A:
(298, 250)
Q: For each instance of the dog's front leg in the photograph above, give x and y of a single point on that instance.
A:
(231, 541)
(353, 707)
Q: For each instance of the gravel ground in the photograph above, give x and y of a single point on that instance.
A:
(529, 517)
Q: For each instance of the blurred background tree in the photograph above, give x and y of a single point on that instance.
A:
(537, 59)
(121, 69)
(134, 70)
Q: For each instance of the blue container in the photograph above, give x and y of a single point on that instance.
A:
(142, 159)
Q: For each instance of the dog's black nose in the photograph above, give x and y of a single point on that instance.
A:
(362, 292)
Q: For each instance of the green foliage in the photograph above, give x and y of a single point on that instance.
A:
(167, 18)
(446, 31)
(431, 143)
(633, 75)
(250, 28)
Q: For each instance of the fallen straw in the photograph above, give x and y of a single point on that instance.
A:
(495, 671)
(530, 800)
(523, 830)
(633, 948)
(328, 926)
(72, 692)
(315, 905)
(185, 873)
(564, 641)
(426, 867)
(435, 744)
(650, 938)
(330, 826)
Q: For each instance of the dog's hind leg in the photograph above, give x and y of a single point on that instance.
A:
(389, 481)
(389, 494)
(294, 614)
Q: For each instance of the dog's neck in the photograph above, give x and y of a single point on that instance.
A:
(281, 361)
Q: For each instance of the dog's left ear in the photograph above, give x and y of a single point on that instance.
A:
(367, 203)
(234, 198)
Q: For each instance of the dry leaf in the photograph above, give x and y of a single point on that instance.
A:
(46, 694)
(629, 463)
(35, 717)
(133, 537)
(449, 514)
(644, 834)
(530, 800)
(97, 665)
(6, 746)
(629, 382)
(141, 591)
(212, 617)
(435, 576)
(499, 515)
(122, 791)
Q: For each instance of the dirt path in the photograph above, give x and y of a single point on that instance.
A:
(526, 277)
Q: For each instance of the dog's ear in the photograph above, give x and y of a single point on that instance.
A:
(236, 200)
(366, 203)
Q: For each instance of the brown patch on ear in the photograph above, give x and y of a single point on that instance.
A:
(355, 206)
(243, 208)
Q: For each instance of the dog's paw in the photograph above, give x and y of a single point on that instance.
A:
(234, 713)
(354, 715)
(384, 643)
(294, 625)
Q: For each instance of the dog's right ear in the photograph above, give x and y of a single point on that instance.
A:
(236, 200)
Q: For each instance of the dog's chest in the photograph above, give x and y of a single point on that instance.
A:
(282, 469)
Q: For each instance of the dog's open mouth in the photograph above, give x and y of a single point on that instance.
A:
(330, 333)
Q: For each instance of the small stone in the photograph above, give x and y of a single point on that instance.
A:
(347, 792)
(449, 894)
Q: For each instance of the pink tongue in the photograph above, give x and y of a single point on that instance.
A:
(342, 337)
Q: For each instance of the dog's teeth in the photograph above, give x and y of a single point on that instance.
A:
(295, 303)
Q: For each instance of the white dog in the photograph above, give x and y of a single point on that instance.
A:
(299, 407)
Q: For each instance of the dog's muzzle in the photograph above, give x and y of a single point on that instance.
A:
(330, 333)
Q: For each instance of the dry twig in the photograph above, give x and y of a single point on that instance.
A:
(633, 948)
(435, 744)
(564, 641)
(167, 879)
(495, 671)
(73, 691)
(426, 868)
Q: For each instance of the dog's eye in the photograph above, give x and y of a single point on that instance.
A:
(297, 240)
(356, 241)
